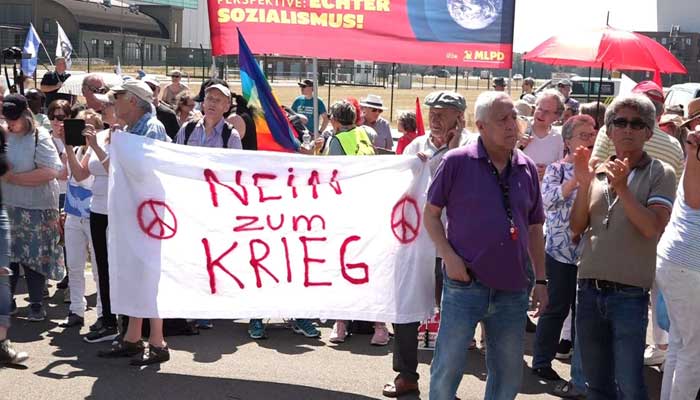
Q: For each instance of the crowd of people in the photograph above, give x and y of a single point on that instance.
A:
(586, 214)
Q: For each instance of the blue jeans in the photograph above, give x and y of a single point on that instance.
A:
(577, 377)
(612, 327)
(5, 293)
(503, 314)
(561, 287)
(35, 284)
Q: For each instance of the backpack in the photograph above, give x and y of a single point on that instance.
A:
(225, 134)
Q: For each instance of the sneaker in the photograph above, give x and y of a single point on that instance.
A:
(72, 320)
(203, 324)
(8, 355)
(46, 291)
(564, 350)
(66, 296)
(339, 333)
(567, 390)
(63, 283)
(97, 325)
(122, 349)
(154, 355)
(104, 334)
(654, 355)
(546, 373)
(381, 335)
(306, 328)
(482, 347)
(256, 329)
(36, 313)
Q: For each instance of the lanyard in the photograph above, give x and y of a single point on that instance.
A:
(505, 193)
(608, 198)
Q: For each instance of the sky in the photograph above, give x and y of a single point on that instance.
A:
(537, 20)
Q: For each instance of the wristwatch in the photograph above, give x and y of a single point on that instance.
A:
(541, 282)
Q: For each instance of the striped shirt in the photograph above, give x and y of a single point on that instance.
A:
(661, 146)
(679, 243)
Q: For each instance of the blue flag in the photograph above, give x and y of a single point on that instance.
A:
(273, 129)
(31, 46)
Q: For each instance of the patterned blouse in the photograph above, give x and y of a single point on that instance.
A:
(559, 244)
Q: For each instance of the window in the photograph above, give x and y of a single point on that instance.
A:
(689, 41)
(133, 51)
(663, 41)
(95, 48)
(163, 52)
(148, 51)
(46, 25)
(108, 51)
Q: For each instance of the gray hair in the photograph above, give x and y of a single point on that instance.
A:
(637, 102)
(567, 131)
(92, 77)
(483, 104)
(408, 120)
(145, 106)
(552, 94)
(344, 112)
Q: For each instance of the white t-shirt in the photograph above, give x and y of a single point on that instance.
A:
(546, 150)
(98, 204)
(61, 148)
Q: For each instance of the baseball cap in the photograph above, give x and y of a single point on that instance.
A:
(306, 83)
(151, 80)
(645, 87)
(13, 105)
(445, 99)
(564, 82)
(138, 88)
(221, 88)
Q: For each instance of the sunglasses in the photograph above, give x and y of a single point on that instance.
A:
(57, 117)
(97, 90)
(635, 124)
(375, 110)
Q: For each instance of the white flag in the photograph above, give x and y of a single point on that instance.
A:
(63, 47)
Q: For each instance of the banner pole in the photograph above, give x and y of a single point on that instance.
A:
(393, 78)
(315, 72)
(330, 79)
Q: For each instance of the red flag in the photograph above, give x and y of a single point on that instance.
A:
(419, 119)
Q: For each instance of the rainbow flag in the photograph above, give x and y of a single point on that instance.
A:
(274, 132)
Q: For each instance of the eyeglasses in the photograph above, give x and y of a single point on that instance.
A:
(635, 124)
(586, 136)
(375, 110)
(59, 117)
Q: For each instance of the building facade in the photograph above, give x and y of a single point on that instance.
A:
(107, 30)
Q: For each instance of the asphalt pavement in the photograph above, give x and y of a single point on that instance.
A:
(223, 363)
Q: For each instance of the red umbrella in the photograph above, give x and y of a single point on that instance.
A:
(607, 47)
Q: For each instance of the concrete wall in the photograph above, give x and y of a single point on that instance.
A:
(685, 13)
(195, 29)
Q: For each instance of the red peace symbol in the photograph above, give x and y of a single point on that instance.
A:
(153, 224)
(405, 220)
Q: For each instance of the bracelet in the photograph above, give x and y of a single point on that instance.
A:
(541, 282)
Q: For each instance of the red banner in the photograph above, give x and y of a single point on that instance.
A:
(464, 33)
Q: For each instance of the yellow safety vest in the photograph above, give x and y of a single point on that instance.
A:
(355, 142)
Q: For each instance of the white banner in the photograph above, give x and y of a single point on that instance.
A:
(215, 233)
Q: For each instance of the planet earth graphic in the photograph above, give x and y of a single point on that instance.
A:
(474, 14)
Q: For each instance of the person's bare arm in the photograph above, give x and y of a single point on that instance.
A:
(36, 177)
(536, 251)
(583, 173)
(691, 177)
(455, 267)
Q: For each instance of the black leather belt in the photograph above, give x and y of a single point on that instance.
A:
(601, 284)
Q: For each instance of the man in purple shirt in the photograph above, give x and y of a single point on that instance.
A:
(491, 193)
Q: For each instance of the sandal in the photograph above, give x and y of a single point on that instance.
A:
(122, 349)
(155, 355)
(400, 387)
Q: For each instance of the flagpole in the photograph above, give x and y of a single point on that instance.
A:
(315, 72)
